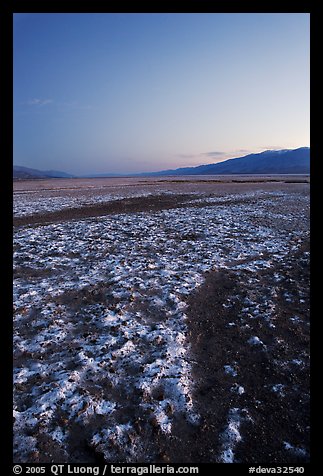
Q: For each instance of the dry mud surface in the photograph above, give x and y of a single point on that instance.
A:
(162, 320)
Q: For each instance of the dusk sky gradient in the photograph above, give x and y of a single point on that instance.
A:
(124, 93)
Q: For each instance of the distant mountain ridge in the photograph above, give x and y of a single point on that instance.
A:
(20, 173)
(285, 161)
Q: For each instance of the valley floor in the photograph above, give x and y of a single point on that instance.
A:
(162, 321)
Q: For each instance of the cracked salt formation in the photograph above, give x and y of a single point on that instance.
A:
(99, 324)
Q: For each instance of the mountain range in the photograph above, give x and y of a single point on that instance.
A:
(285, 161)
(21, 173)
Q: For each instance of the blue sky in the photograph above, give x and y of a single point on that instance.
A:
(118, 93)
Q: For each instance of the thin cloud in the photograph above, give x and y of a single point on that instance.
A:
(39, 102)
(242, 151)
(215, 153)
(227, 155)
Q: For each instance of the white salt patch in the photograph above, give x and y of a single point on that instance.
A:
(141, 261)
(230, 370)
(255, 341)
(236, 388)
(231, 435)
(58, 434)
(279, 388)
(297, 362)
(295, 450)
(104, 407)
(295, 319)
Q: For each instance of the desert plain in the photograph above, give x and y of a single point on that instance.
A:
(162, 319)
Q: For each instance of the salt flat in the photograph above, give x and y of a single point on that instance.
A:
(114, 312)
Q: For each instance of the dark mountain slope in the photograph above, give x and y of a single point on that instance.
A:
(286, 161)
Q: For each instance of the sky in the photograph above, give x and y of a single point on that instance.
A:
(127, 93)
